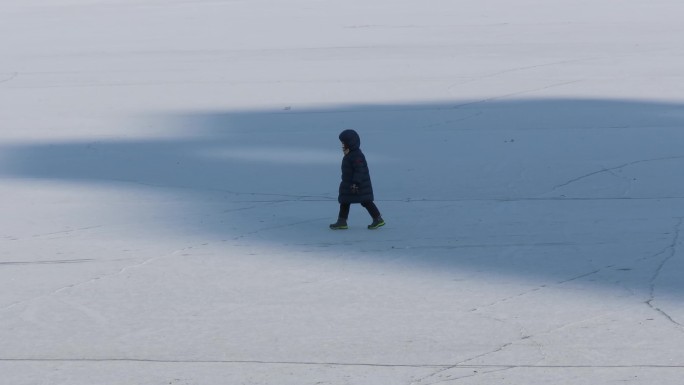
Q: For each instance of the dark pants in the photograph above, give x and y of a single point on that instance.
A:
(370, 206)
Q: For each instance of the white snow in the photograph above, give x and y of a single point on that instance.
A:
(169, 168)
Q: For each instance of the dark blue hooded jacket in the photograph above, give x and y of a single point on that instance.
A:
(354, 171)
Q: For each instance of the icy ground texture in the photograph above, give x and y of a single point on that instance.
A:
(169, 168)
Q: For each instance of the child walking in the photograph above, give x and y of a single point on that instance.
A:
(355, 186)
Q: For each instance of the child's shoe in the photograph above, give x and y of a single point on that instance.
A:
(377, 222)
(341, 224)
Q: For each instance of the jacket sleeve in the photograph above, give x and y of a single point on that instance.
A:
(359, 170)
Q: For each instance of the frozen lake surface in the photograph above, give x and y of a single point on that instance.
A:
(168, 171)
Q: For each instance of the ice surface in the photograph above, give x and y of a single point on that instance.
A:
(168, 170)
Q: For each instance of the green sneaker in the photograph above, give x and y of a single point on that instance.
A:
(341, 224)
(377, 223)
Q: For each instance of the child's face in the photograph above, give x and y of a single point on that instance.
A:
(344, 148)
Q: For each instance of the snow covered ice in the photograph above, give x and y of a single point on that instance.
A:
(168, 171)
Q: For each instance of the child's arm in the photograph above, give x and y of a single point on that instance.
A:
(360, 169)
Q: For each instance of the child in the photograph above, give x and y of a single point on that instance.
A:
(356, 184)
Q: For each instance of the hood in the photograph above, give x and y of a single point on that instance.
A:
(350, 139)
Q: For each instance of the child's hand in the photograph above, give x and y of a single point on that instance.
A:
(354, 189)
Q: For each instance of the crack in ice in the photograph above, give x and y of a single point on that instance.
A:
(611, 169)
(331, 363)
(671, 252)
(10, 78)
(538, 288)
(104, 276)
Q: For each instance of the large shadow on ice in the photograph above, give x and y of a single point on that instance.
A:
(561, 189)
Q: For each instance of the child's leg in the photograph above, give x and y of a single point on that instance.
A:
(375, 213)
(344, 210)
(341, 223)
(372, 209)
